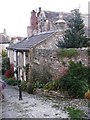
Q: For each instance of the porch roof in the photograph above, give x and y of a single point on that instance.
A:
(30, 42)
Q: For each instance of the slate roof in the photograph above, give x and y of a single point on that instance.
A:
(4, 39)
(54, 16)
(30, 42)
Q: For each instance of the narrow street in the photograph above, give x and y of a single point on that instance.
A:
(31, 106)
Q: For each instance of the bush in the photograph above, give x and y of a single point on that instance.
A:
(75, 113)
(52, 85)
(4, 53)
(41, 74)
(10, 72)
(30, 87)
(76, 81)
(5, 64)
(71, 52)
(24, 85)
(12, 81)
(39, 84)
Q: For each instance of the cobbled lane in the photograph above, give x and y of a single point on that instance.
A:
(31, 106)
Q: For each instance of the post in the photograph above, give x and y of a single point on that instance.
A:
(20, 91)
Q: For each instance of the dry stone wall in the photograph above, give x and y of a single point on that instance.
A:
(43, 57)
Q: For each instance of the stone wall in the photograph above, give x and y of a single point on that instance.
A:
(51, 42)
(43, 57)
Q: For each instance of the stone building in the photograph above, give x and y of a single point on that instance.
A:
(43, 21)
(22, 53)
(45, 30)
(4, 40)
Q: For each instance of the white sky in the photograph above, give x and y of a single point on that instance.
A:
(15, 14)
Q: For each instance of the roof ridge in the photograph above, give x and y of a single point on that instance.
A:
(32, 41)
(44, 39)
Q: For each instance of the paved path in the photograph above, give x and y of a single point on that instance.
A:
(31, 106)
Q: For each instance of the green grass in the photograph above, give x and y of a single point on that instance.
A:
(75, 114)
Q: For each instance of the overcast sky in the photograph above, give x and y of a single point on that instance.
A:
(15, 14)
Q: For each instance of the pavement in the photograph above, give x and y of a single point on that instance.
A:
(32, 106)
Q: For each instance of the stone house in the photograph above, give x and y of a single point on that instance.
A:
(47, 28)
(38, 50)
(22, 53)
(41, 21)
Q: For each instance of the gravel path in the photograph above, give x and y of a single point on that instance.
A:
(31, 106)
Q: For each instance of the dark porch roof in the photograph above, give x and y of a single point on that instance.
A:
(30, 42)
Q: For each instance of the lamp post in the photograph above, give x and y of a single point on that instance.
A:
(20, 90)
(19, 85)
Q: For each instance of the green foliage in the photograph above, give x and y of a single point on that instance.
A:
(72, 52)
(12, 81)
(33, 85)
(5, 64)
(39, 84)
(41, 74)
(30, 87)
(52, 85)
(76, 81)
(4, 53)
(75, 114)
(24, 85)
(4, 78)
(74, 36)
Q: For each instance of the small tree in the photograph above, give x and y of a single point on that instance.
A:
(4, 53)
(75, 35)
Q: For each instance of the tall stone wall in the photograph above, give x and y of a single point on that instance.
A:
(49, 58)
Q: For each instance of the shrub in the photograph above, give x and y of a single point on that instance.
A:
(30, 87)
(76, 81)
(4, 53)
(12, 81)
(52, 85)
(24, 85)
(41, 75)
(39, 84)
(5, 64)
(10, 72)
(75, 113)
(71, 52)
